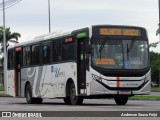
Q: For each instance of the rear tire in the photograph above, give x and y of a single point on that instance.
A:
(38, 100)
(74, 100)
(29, 98)
(121, 100)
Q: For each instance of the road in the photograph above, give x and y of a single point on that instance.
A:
(155, 93)
(152, 93)
(19, 104)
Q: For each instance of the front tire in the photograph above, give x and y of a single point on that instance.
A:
(121, 100)
(67, 100)
(74, 100)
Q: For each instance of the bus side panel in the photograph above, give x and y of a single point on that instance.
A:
(49, 81)
(33, 76)
(54, 78)
(11, 84)
(46, 83)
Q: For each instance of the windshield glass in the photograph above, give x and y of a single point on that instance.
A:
(120, 54)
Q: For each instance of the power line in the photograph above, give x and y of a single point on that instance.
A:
(9, 4)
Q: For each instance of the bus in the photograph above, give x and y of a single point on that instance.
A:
(101, 61)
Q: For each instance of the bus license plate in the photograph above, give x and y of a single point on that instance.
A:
(125, 92)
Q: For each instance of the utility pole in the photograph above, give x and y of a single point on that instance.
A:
(49, 16)
(159, 12)
(159, 37)
(5, 53)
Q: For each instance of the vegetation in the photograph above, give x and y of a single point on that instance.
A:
(10, 37)
(1, 88)
(146, 97)
(154, 61)
(155, 89)
(4, 95)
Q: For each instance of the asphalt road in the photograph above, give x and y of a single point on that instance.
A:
(152, 93)
(19, 104)
(155, 93)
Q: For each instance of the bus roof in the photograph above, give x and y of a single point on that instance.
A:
(42, 37)
(52, 35)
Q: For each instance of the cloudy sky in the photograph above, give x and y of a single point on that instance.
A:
(30, 17)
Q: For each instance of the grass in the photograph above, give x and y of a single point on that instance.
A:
(155, 89)
(4, 95)
(1, 88)
(146, 97)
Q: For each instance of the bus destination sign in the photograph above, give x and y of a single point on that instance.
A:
(119, 31)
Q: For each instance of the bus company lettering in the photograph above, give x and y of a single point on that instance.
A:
(58, 72)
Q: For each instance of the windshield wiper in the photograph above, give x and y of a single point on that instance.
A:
(130, 47)
(101, 47)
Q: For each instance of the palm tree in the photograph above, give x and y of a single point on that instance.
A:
(10, 37)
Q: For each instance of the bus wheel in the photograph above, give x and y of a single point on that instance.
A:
(38, 100)
(121, 100)
(67, 100)
(75, 100)
(29, 98)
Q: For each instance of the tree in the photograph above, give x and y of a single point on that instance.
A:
(154, 61)
(10, 37)
(155, 66)
(154, 44)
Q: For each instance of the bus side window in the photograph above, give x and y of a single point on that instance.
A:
(26, 56)
(11, 60)
(35, 55)
(54, 51)
(57, 50)
(68, 51)
(46, 48)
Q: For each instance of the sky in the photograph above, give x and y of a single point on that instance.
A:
(30, 17)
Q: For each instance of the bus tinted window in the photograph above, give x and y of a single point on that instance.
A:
(46, 50)
(57, 51)
(11, 59)
(35, 54)
(26, 56)
(54, 51)
(68, 52)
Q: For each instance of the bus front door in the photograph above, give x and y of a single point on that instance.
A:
(18, 72)
(81, 66)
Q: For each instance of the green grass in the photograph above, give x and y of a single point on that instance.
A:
(4, 95)
(145, 97)
(1, 88)
(154, 89)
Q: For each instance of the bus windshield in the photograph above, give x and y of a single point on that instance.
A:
(120, 54)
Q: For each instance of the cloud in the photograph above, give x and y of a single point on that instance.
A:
(30, 17)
